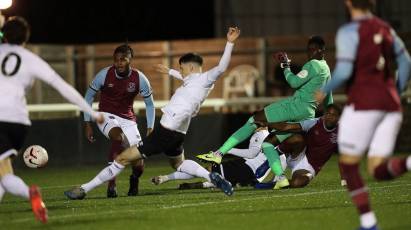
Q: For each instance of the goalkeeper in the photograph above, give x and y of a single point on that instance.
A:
(302, 105)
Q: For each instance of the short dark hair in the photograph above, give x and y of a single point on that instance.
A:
(16, 30)
(318, 40)
(363, 4)
(191, 57)
(124, 49)
(335, 107)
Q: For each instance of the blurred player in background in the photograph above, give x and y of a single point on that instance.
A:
(119, 84)
(168, 137)
(367, 49)
(19, 69)
(302, 105)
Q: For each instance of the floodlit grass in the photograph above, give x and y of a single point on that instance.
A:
(324, 204)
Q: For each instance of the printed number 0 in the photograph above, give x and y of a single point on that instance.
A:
(16, 68)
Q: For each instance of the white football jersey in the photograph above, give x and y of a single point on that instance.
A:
(19, 69)
(187, 99)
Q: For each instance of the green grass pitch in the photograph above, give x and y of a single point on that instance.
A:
(324, 204)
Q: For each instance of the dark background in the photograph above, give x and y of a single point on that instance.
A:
(73, 22)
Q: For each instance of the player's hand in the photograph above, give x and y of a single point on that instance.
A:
(282, 58)
(89, 132)
(232, 34)
(149, 131)
(319, 96)
(161, 68)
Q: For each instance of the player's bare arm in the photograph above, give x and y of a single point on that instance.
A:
(281, 126)
(160, 68)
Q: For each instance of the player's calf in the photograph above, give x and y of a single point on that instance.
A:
(388, 169)
(137, 171)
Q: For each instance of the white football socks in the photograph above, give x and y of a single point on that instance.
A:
(178, 176)
(193, 168)
(105, 175)
(368, 219)
(15, 185)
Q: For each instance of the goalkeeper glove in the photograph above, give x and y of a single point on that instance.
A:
(282, 58)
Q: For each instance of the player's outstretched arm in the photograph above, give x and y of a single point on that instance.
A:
(160, 68)
(232, 35)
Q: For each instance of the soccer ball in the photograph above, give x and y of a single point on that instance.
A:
(35, 156)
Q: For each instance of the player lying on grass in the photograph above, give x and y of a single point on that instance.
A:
(311, 147)
(168, 137)
(239, 171)
(307, 151)
(302, 105)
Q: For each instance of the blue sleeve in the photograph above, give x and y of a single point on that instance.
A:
(403, 61)
(145, 88)
(346, 44)
(147, 93)
(340, 75)
(306, 125)
(99, 80)
(93, 88)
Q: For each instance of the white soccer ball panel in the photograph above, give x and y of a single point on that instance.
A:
(35, 156)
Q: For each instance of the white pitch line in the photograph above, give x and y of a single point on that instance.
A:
(202, 203)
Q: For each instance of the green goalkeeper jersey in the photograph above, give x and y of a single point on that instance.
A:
(314, 75)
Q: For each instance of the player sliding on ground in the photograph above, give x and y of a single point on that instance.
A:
(302, 105)
(312, 145)
(168, 136)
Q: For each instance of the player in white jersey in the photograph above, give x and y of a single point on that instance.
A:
(243, 170)
(19, 69)
(168, 137)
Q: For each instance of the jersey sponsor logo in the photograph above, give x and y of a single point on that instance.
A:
(131, 87)
(303, 74)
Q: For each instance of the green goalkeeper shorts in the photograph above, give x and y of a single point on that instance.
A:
(289, 109)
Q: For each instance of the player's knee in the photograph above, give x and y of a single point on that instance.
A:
(299, 181)
(122, 160)
(176, 162)
(272, 139)
(301, 178)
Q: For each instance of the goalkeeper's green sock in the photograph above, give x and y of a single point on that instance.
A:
(239, 136)
(273, 158)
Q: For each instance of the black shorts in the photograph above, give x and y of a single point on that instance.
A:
(237, 172)
(163, 140)
(12, 136)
